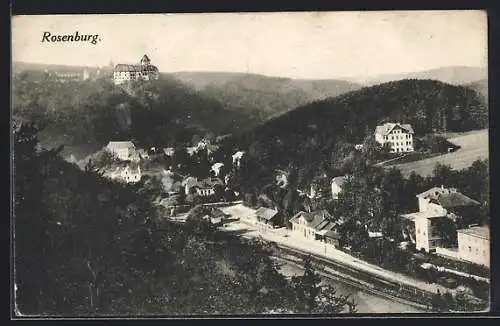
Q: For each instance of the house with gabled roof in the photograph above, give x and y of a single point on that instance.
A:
(126, 174)
(267, 218)
(237, 158)
(123, 150)
(143, 71)
(337, 184)
(216, 168)
(435, 205)
(317, 225)
(399, 136)
(189, 183)
(207, 187)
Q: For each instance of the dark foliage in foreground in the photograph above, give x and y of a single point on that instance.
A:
(86, 246)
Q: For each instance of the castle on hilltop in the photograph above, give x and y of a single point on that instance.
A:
(128, 72)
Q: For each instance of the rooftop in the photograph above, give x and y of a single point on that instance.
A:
(339, 181)
(266, 213)
(314, 219)
(209, 183)
(386, 128)
(455, 200)
(332, 234)
(413, 216)
(120, 144)
(435, 191)
(447, 197)
(477, 231)
(190, 182)
(135, 68)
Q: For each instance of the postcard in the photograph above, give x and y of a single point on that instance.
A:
(250, 164)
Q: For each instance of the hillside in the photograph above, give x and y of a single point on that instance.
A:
(480, 86)
(18, 67)
(309, 135)
(262, 97)
(473, 146)
(93, 112)
(450, 75)
(87, 246)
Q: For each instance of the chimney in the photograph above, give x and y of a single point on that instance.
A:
(442, 187)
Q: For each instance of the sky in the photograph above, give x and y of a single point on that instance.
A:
(316, 45)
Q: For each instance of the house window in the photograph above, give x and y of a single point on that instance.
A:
(470, 249)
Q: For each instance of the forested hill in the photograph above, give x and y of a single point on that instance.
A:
(262, 97)
(480, 86)
(309, 133)
(455, 75)
(95, 111)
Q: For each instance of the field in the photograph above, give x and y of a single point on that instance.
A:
(474, 146)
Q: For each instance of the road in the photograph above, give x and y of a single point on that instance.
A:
(342, 268)
(282, 236)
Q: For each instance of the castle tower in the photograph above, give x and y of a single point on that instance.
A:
(145, 61)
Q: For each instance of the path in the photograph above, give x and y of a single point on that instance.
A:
(283, 236)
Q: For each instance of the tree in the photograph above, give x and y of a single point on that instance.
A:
(313, 298)
(197, 222)
(307, 287)
(444, 175)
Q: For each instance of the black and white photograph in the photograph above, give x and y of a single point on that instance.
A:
(263, 164)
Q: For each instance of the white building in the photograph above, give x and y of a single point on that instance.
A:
(128, 72)
(188, 184)
(169, 151)
(207, 187)
(123, 150)
(434, 205)
(474, 245)
(399, 136)
(216, 168)
(337, 184)
(126, 174)
(237, 158)
(317, 225)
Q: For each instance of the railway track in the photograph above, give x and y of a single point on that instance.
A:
(355, 278)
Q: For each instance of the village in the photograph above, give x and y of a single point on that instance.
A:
(313, 230)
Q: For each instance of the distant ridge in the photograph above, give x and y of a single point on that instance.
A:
(20, 66)
(481, 87)
(455, 75)
(260, 95)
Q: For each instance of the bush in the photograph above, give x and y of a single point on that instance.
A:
(435, 144)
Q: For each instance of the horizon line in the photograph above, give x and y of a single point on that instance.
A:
(367, 77)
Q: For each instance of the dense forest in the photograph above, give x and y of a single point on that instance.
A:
(87, 246)
(162, 112)
(312, 135)
(262, 96)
